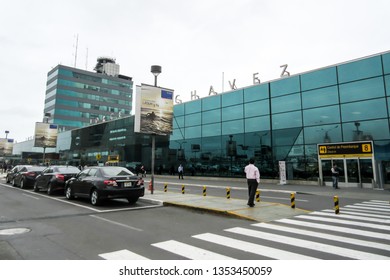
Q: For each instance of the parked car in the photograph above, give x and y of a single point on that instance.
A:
(99, 183)
(26, 176)
(53, 178)
(9, 178)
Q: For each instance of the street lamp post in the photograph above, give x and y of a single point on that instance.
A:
(156, 70)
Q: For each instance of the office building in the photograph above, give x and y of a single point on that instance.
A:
(77, 98)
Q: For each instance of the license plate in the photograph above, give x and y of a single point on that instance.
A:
(127, 184)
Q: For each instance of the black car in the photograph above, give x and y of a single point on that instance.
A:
(26, 176)
(108, 182)
(9, 178)
(53, 178)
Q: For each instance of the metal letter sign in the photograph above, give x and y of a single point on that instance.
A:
(352, 149)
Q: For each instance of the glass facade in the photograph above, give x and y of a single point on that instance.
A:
(77, 98)
(281, 120)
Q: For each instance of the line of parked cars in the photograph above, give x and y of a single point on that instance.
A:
(97, 183)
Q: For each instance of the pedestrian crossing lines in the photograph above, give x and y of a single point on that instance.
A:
(361, 231)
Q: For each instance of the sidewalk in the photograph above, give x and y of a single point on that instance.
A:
(263, 211)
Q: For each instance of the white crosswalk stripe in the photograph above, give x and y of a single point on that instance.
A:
(361, 231)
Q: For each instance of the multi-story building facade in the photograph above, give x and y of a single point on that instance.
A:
(281, 120)
(77, 98)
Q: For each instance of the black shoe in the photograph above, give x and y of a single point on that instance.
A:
(251, 205)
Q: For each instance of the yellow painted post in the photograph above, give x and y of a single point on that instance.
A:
(228, 193)
(257, 196)
(336, 204)
(183, 189)
(204, 190)
(165, 187)
(292, 198)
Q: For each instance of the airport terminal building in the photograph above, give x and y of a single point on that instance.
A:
(287, 120)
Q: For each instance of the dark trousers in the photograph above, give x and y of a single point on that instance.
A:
(181, 175)
(252, 188)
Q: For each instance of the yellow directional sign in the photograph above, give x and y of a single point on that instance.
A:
(351, 149)
(98, 157)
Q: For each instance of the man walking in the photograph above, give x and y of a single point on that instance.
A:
(253, 179)
(180, 170)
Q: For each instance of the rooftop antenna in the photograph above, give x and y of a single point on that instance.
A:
(75, 53)
(86, 61)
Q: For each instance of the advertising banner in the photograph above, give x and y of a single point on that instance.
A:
(45, 135)
(282, 173)
(153, 110)
(6, 146)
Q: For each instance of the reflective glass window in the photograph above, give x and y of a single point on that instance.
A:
(193, 106)
(178, 122)
(257, 92)
(285, 86)
(360, 90)
(286, 136)
(286, 103)
(232, 98)
(71, 103)
(286, 120)
(211, 116)
(321, 115)
(368, 130)
(323, 134)
(364, 110)
(320, 97)
(232, 127)
(387, 82)
(361, 69)
(192, 132)
(52, 75)
(193, 119)
(256, 108)
(211, 102)
(257, 124)
(386, 63)
(319, 78)
(178, 109)
(211, 130)
(232, 112)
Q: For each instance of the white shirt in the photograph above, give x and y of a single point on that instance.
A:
(252, 172)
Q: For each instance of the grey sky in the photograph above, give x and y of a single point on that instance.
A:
(194, 42)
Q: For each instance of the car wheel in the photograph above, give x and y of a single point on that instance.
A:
(95, 199)
(49, 189)
(68, 193)
(13, 183)
(132, 200)
(36, 189)
(22, 184)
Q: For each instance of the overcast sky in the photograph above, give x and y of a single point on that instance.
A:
(194, 42)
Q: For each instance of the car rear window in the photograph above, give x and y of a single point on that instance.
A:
(69, 169)
(116, 171)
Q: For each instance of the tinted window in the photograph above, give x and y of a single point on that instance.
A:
(286, 103)
(322, 115)
(212, 102)
(364, 110)
(256, 93)
(211, 130)
(232, 98)
(287, 120)
(211, 116)
(115, 171)
(360, 90)
(319, 78)
(320, 97)
(232, 113)
(285, 86)
(256, 108)
(361, 69)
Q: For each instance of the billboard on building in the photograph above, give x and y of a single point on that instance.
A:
(153, 110)
(45, 135)
(6, 146)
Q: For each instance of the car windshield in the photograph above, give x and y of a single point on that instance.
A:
(116, 171)
(68, 169)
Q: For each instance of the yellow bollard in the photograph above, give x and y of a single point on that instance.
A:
(165, 187)
(182, 189)
(228, 193)
(336, 204)
(292, 198)
(204, 190)
(257, 196)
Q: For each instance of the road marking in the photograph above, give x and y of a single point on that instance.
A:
(252, 247)
(365, 207)
(37, 198)
(188, 251)
(122, 255)
(356, 213)
(317, 246)
(351, 217)
(116, 223)
(336, 228)
(327, 236)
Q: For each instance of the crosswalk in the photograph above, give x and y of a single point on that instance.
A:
(361, 231)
